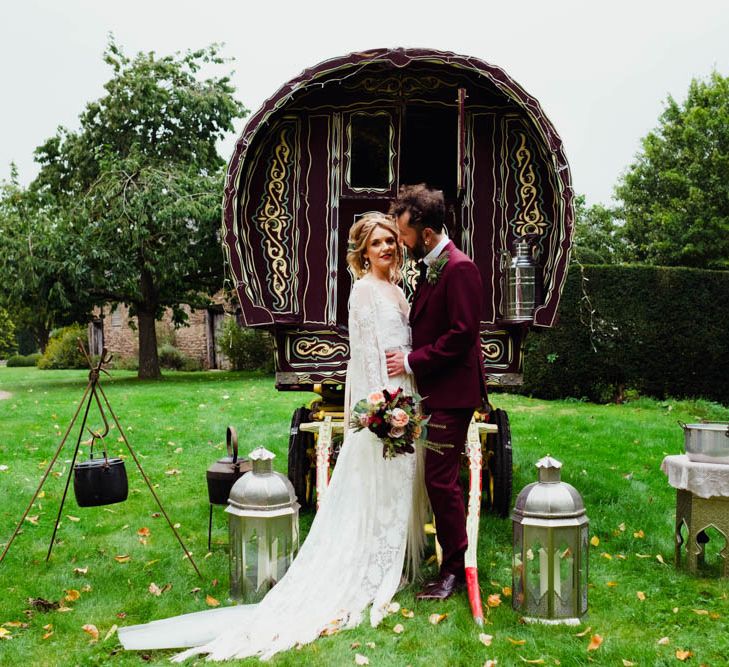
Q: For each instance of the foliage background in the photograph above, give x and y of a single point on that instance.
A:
(655, 330)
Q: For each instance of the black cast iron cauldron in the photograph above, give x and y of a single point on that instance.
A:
(101, 481)
(226, 471)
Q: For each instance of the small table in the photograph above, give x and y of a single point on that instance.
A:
(702, 501)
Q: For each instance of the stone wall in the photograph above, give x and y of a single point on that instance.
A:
(197, 340)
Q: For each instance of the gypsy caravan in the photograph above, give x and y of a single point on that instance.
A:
(336, 142)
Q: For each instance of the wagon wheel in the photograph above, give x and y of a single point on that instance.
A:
(301, 445)
(497, 471)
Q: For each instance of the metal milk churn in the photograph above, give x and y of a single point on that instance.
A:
(520, 292)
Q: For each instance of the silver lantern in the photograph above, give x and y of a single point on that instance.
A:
(264, 528)
(549, 573)
(521, 277)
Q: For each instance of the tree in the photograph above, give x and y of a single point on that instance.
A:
(597, 237)
(37, 290)
(140, 185)
(675, 196)
(7, 334)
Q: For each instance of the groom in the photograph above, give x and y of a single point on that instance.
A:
(446, 362)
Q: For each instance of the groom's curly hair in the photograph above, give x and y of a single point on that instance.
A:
(426, 206)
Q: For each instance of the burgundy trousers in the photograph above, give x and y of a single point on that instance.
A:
(444, 487)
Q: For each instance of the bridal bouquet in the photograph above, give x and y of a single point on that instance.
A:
(394, 417)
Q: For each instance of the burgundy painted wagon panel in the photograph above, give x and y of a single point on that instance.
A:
(337, 141)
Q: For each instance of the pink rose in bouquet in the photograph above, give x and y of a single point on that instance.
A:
(376, 398)
(399, 417)
(396, 432)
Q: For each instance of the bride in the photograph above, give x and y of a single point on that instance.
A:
(373, 513)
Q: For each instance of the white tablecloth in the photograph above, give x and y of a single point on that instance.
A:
(702, 479)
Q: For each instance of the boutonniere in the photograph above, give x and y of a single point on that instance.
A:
(436, 268)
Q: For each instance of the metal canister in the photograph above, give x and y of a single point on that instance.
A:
(521, 285)
(222, 474)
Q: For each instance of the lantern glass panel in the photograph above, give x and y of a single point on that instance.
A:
(583, 565)
(517, 568)
(564, 589)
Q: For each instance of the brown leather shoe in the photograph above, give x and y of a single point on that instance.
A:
(441, 588)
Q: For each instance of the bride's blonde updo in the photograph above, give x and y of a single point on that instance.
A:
(359, 238)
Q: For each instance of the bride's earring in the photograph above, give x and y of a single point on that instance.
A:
(366, 264)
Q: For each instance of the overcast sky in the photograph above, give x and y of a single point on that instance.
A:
(602, 71)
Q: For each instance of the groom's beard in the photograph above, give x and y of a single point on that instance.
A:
(418, 251)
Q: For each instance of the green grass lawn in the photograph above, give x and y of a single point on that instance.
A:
(610, 453)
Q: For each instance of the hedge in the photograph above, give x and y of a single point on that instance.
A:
(657, 331)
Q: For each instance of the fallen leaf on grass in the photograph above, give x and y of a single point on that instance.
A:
(172, 471)
(701, 612)
(506, 591)
(48, 634)
(15, 624)
(154, 589)
(628, 663)
(360, 659)
(407, 613)
(605, 555)
(112, 630)
(210, 601)
(3, 468)
(537, 661)
(72, 595)
(643, 555)
(122, 559)
(663, 641)
(355, 645)
(434, 619)
(595, 541)
(399, 629)
(611, 584)
(143, 532)
(659, 558)
(639, 534)
(197, 589)
(92, 630)
(595, 642)
(80, 570)
(494, 600)
(393, 608)
(584, 632)
(5, 634)
(621, 527)
(64, 608)
(683, 655)
(640, 595)
(75, 519)
(714, 616)
(490, 663)
(32, 519)
(517, 642)
(485, 639)
(370, 644)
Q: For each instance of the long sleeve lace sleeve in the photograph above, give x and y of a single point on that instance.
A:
(367, 371)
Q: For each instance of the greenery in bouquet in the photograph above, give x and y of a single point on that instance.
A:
(394, 417)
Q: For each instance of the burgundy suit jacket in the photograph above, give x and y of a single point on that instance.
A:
(445, 321)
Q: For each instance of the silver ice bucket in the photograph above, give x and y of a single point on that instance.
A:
(707, 443)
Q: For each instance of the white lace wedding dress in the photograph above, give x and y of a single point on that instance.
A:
(354, 554)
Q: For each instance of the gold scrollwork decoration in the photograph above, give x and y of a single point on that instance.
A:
(493, 350)
(400, 84)
(307, 348)
(530, 219)
(275, 220)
